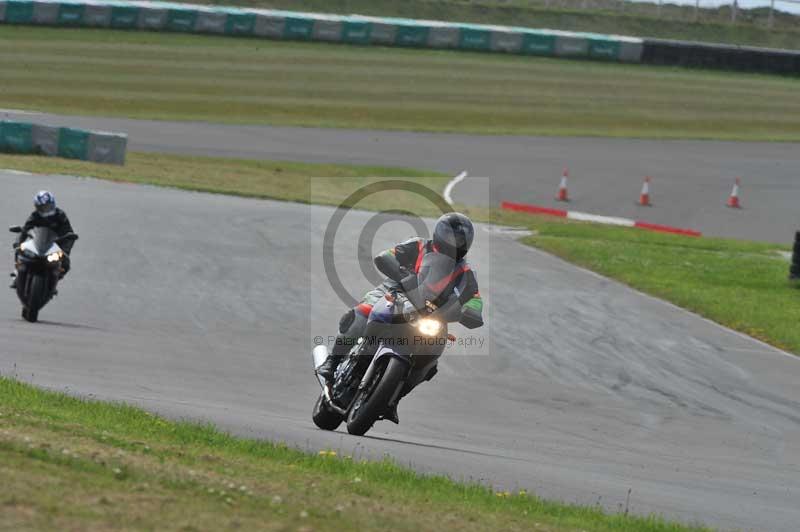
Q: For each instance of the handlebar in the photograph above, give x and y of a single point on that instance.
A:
(68, 236)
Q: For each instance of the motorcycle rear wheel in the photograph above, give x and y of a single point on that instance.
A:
(325, 418)
(375, 400)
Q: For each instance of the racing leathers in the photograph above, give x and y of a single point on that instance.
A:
(56, 222)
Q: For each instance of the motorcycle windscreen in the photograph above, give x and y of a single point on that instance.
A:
(437, 276)
(42, 239)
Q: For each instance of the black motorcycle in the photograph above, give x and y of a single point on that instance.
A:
(39, 263)
(381, 369)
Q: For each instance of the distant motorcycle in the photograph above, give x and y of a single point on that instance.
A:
(366, 387)
(39, 268)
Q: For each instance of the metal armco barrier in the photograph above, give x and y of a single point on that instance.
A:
(386, 31)
(38, 139)
(353, 29)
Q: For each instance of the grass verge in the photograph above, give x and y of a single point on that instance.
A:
(70, 464)
(742, 285)
(282, 180)
(219, 79)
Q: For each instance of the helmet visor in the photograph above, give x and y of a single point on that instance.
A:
(46, 210)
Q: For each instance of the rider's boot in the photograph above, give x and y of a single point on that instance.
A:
(328, 368)
(391, 414)
(350, 329)
(13, 281)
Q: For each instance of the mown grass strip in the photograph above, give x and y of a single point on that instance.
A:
(218, 79)
(69, 463)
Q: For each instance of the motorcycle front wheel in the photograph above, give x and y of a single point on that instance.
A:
(373, 401)
(36, 298)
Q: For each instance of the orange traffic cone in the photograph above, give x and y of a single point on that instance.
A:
(644, 197)
(733, 199)
(563, 195)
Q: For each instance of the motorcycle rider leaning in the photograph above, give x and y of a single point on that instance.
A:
(46, 214)
(452, 236)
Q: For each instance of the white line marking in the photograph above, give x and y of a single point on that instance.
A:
(514, 232)
(448, 190)
(19, 112)
(596, 218)
(14, 172)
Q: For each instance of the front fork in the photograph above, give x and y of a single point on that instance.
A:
(23, 276)
(22, 280)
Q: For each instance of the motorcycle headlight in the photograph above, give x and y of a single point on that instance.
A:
(429, 327)
(54, 257)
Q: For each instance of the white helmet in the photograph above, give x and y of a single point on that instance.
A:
(45, 203)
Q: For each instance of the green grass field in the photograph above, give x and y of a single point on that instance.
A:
(68, 464)
(740, 284)
(186, 77)
(604, 16)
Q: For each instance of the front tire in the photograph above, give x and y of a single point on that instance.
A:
(36, 298)
(361, 418)
(325, 418)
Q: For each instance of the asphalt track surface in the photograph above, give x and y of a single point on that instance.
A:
(691, 179)
(196, 305)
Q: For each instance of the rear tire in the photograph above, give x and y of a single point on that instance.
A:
(325, 418)
(360, 420)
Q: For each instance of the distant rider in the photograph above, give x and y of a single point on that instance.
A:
(452, 235)
(46, 214)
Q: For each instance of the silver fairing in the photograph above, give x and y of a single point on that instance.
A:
(40, 242)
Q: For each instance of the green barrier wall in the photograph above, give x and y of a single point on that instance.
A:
(70, 14)
(604, 49)
(298, 28)
(16, 137)
(475, 39)
(181, 20)
(124, 17)
(73, 143)
(240, 24)
(407, 35)
(40, 139)
(19, 12)
(291, 25)
(355, 32)
(539, 44)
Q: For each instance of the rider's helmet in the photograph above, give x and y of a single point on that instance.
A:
(453, 234)
(45, 203)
